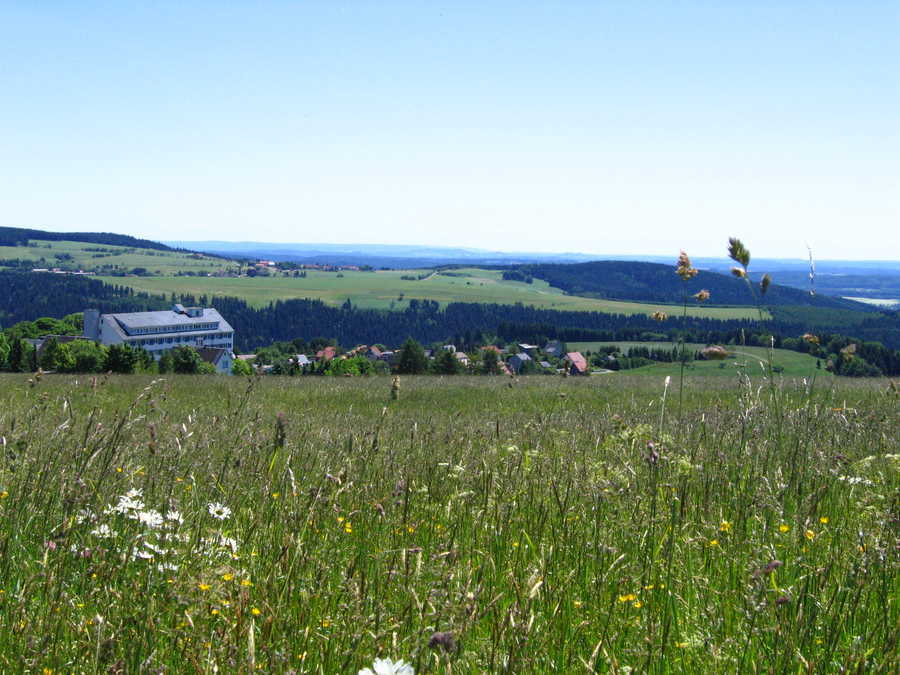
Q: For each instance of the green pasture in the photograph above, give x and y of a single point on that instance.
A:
(474, 525)
(386, 289)
(111, 258)
(742, 360)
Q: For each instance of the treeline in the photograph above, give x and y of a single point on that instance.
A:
(18, 236)
(424, 320)
(654, 282)
(26, 296)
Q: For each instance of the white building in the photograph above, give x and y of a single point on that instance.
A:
(161, 331)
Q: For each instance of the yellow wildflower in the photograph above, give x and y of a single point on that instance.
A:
(255, 612)
(824, 520)
(784, 528)
(725, 526)
(713, 542)
(228, 576)
(204, 587)
(809, 534)
(630, 597)
(246, 582)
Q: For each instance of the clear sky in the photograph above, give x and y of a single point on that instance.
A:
(597, 127)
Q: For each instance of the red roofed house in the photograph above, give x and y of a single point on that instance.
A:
(576, 364)
(326, 354)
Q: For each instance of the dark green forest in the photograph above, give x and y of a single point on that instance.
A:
(653, 282)
(18, 236)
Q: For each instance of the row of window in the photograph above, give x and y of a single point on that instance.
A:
(194, 340)
(180, 328)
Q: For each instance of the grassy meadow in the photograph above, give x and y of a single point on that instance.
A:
(386, 289)
(474, 525)
(744, 359)
(100, 257)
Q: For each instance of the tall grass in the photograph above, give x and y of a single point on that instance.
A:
(470, 526)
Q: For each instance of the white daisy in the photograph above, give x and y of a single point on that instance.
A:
(388, 667)
(218, 511)
(150, 518)
(103, 532)
(175, 517)
(126, 504)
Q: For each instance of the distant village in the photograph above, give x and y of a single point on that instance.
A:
(200, 340)
(515, 359)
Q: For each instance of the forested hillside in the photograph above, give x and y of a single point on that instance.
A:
(17, 236)
(26, 296)
(652, 282)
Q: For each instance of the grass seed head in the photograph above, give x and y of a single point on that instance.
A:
(738, 252)
(684, 269)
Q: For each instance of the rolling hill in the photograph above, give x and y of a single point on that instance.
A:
(653, 282)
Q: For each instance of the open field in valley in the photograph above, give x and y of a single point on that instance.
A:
(386, 289)
(474, 525)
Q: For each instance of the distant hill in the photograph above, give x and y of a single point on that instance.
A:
(652, 282)
(377, 255)
(17, 236)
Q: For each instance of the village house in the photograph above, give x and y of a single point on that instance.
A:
(553, 348)
(326, 354)
(517, 361)
(576, 364)
(220, 359)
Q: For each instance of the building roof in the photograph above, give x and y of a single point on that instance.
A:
(211, 354)
(578, 361)
(326, 354)
(302, 360)
(169, 317)
(522, 356)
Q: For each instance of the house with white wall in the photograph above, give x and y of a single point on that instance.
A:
(158, 332)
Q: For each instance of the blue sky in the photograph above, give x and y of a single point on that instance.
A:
(599, 127)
